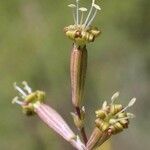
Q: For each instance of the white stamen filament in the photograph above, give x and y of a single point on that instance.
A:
(74, 18)
(81, 20)
(113, 121)
(94, 15)
(114, 97)
(89, 14)
(26, 87)
(82, 9)
(20, 90)
(93, 1)
(104, 105)
(89, 23)
(77, 11)
(122, 110)
(73, 12)
(131, 103)
(16, 100)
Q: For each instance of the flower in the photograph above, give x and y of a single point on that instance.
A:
(82, 32)
(110, 119)
(33, 103)
(30, 99)
(113, 117)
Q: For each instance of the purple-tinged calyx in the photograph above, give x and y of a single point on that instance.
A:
(33, 103)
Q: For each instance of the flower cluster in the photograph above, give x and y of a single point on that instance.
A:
(82, 32)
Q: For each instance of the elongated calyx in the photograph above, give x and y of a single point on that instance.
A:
(81, 32)
(33, 103)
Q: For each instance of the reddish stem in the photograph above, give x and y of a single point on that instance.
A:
(82, 130)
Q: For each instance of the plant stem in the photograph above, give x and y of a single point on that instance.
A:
(82, 130)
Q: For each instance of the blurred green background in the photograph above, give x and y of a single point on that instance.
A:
(34, 48)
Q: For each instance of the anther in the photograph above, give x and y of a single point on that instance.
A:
(73, 11)
(130, 115)
(104, 105)
(114, 97)
(71, 5)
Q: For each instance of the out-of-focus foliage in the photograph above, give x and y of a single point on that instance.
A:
(34, 48)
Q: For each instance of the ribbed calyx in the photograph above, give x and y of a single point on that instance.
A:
(78, 66)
